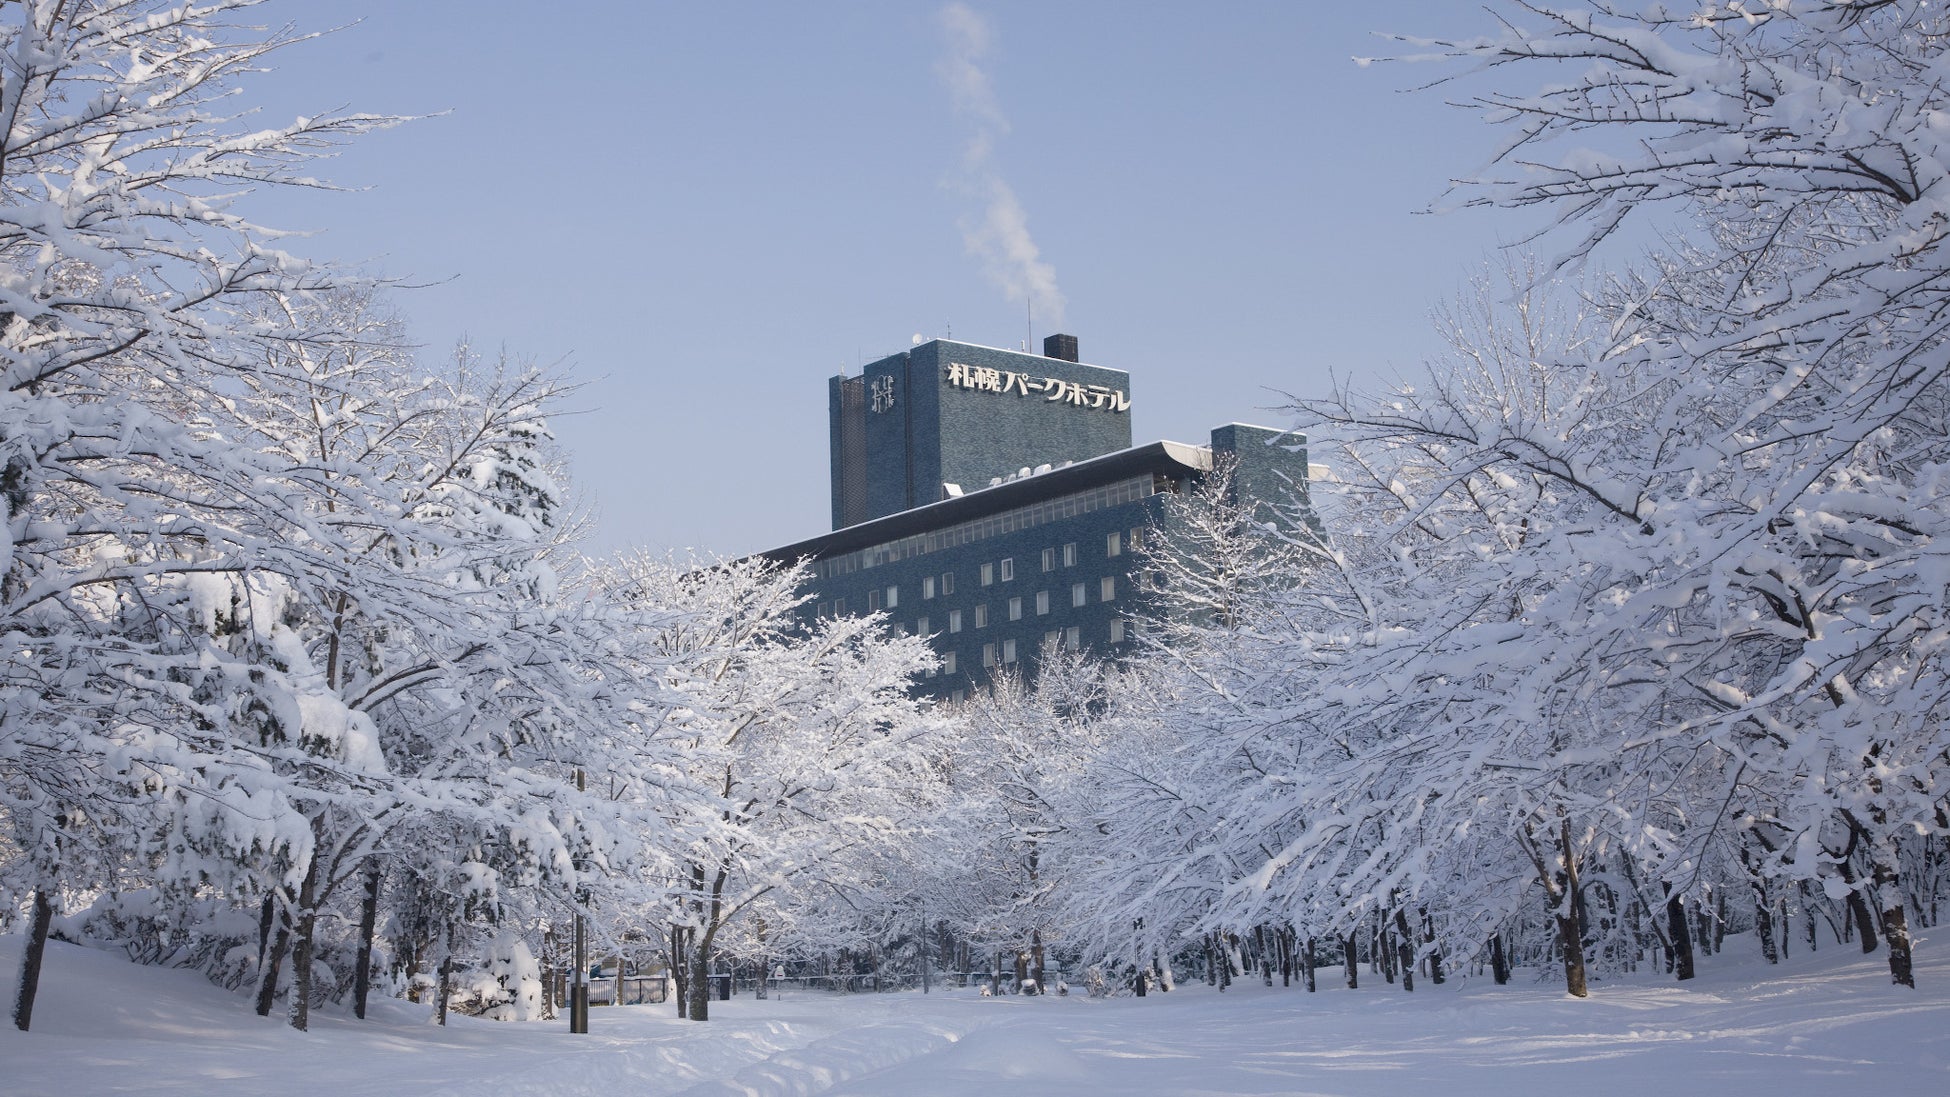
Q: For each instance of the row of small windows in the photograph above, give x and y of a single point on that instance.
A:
(1004, 652)
(1011, 521)
(1079, 596)
(888, 598)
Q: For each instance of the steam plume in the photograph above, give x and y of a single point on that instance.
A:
(997, 231)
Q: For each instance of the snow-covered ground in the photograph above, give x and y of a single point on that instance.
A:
(1829, 1025)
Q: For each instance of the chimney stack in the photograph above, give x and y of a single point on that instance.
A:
(1060, 347)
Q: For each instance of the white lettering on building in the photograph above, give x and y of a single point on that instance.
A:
(1052, 389)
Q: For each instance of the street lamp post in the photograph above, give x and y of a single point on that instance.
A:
(579, 996)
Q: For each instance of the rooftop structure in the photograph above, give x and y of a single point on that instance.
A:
(948, 418)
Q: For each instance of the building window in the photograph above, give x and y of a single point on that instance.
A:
(1079, 593)
(893, 597)
(1073, 638)
(982, 615)
(1137, 538)
(988, 655)
(1051, 638)
(1117, 631)
(1008, 568)
(1114, 543)
(873, 601)
(1107, 588)
(927, 587)
(956, 697)
(1049, 559)
(839, 607)
(947, 583)
(1015, 609)
(932, 671)
(921, 628)
(1070, 555)
(954, 620)
(948, 663)
(825, 609)
(1042, 602)
(988, 575)
(1008, 651)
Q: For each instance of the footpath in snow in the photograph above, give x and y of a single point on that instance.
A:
(1827, 1025)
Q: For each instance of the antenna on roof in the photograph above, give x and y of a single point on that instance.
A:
(1028, 321)
(949, 329)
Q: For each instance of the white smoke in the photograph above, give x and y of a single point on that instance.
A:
(997, 231)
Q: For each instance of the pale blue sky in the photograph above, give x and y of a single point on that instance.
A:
(708, 209)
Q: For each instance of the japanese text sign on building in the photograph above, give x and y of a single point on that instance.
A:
(1052, 389)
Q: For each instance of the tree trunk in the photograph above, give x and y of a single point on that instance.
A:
(1763, 916)
(680, 971)
(1405, 949)
(1353, 975)
(1763, 926)
(1499, 963)
(267, 978)
(302, 948)
(1895, 926)
(32, 950)
(1435, 958)
(1569, 929)
(1567, 935)
(551, 969)
(1307, 965)
(1808, 906)
(446, 983)
(1382, 949)
(362, 962)
(1682, 937)
(266, 915)
(700, 980)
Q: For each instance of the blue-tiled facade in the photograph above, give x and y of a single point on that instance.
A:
(994, 573)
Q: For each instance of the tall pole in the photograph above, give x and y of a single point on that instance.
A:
(579, 997)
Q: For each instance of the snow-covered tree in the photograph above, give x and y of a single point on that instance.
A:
(794, 747)
(1021, 753)
(1794, 368)
(124, 173)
